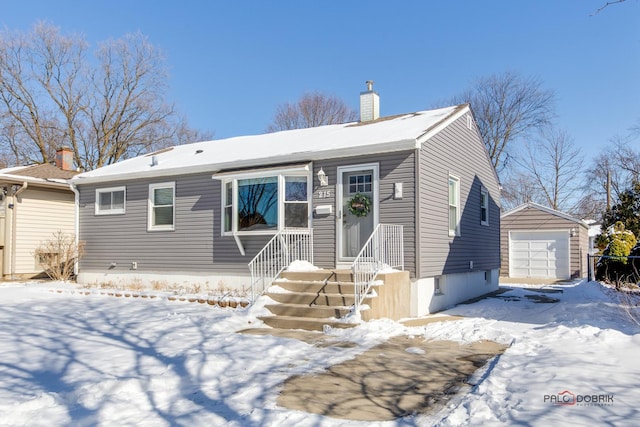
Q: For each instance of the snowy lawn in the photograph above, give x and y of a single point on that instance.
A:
(73, 359)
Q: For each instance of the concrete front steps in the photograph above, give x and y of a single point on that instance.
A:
(310, 300)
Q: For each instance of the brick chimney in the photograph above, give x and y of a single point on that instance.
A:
(64, 158)
(369, 104)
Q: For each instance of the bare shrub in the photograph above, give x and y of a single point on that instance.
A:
(58, 255)
(630, 303)
(159, 285)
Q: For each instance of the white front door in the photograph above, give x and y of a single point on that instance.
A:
(357, 208)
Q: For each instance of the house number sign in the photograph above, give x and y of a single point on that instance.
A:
(325, 194)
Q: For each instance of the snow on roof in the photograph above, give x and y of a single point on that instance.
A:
(383, 135)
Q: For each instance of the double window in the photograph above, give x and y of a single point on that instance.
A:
(110, 201)
(266, 203)
(161, 206)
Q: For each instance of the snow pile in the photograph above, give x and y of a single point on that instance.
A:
(302, 266)
(75, 359)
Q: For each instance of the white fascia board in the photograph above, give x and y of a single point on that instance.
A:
(442, 125)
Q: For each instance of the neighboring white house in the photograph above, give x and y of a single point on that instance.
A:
(36, 202)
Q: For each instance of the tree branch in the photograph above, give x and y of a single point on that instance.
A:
(609, 3)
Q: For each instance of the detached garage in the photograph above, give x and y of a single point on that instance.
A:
(542, 243)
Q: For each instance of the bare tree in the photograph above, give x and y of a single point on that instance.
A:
(614, 170)
(508, 107)
(127, 112)
(590, 206)
(554, 164)
(518, 188)
(39, 93)
(104, 108)
(313, 109)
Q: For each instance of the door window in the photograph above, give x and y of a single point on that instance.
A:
(360, 183)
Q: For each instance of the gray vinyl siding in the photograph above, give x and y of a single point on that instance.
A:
(532, 219)
(397, 167)
(458, 151)
(196, 244)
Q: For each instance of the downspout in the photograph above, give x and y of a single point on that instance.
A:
(14, 237)
(76, 225)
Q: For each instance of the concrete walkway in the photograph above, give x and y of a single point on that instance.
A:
(399, 377)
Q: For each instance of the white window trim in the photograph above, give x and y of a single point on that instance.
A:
(280, 174)
(150, 204)
(456, 232)
(110, 211)
(484, 196)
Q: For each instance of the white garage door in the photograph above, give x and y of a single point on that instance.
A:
(540, 254)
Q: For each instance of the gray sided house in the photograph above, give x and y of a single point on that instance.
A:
(540, 242)
(202, 212)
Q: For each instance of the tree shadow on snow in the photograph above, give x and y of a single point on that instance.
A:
(98, 362)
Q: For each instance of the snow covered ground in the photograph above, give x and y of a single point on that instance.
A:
(72, 359)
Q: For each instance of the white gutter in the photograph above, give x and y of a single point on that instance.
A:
(21, 189)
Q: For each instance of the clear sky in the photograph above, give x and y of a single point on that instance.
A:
(233, 62)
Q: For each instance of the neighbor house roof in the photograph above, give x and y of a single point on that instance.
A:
(44, 175)
(402, 132)
(531, 205)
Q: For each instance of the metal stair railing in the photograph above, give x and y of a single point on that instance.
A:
(286, 246)
(384, 249)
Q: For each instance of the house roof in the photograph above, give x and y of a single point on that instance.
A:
(44, 175)
(387, 134)
(531, 205)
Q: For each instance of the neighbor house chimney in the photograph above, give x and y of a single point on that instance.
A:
(369, 104)
(64, 158)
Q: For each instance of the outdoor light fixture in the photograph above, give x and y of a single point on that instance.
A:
(322, 177)
(572, 232)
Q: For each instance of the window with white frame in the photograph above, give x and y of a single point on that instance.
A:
(228, 206)
(257, 203)
(110, 201)
(360, 183)
(266, 203)
(484, 206)
(454, 206)
(161, 206)
(296, 202)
